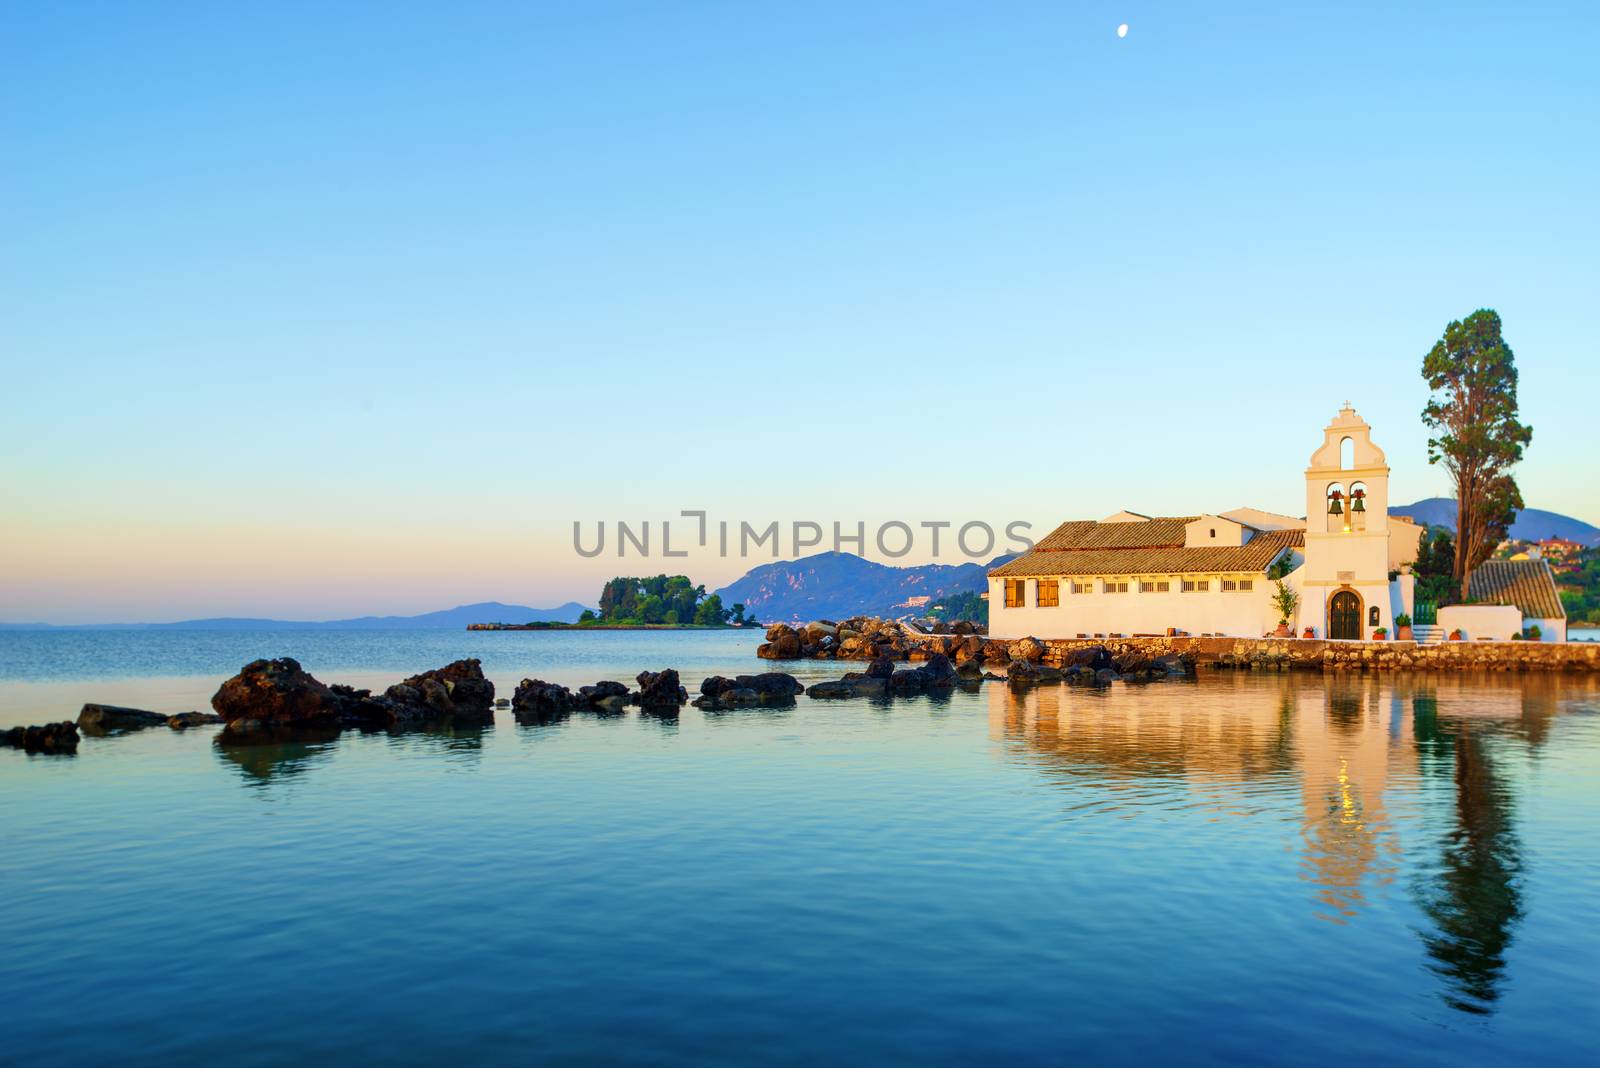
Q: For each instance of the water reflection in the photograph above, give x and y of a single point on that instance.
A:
(1340, 754)
(261, 761)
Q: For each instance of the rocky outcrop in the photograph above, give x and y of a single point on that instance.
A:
(1030, 650)
(457, 689)
(46, 738)
(660, 690)
(184, 720)
(606, 695)
(276, 692)
(103, 719)
(769, 689)
(881, 679)
(537, 701)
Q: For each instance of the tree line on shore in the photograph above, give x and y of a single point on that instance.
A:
(662, 600)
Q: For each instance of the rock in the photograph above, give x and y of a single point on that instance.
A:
(601, 692)
(1029, 649)
(778, 630)
(464, 689)
(275, 692)
(880, 668)
(1021, 673)
(502, 702)
(184, 720)
(969, 669)
(838, 688)
(660, 689)
(939, 672)
(996, 653)
(819, 629)
(1106, 675)
(100, 719)
(47, 738)
(1093, 657)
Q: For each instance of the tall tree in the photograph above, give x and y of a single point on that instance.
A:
(1477, 436)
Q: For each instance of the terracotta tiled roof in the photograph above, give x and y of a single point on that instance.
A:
(1087, 534)
(1527, 584)
(1153, 548)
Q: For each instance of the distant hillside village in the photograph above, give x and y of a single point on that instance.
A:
(1344, 571)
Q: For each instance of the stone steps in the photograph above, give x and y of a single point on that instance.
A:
(1429, 634)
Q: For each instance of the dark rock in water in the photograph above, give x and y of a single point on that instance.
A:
(185, 720)
(275, 692)
(880, 668)
(602, 691)
(1023, 673)
(995, 653)
(100, 719)
(1093, 657)
(969, 669)
(502, 702)
(837, 688)
(939, 672)
(1106, 675)
(772, 688)
(538, 701)
(660, 689)
(47, 738)
(783, 643)
(459, 687)
(1172, 665)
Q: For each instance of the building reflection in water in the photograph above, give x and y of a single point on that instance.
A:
(1338, 751)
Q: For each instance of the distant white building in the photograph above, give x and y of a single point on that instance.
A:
(1207, 574)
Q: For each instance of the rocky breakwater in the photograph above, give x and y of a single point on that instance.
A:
(45, 738)
(883, 680)
(771, 689)
(536, 701)
(273, 697)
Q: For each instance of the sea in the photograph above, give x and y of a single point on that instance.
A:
(1236, 869)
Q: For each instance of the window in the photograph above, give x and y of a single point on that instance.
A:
(1083, 587)
(1213, 532)
(1117, 587)
(1193, 585)
(1014, 588)
(1155, 586)
(1247, 584)
(1047, 593)
(1228, 585)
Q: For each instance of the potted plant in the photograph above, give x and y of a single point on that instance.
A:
(1402, 628)
(1286, 601)
(1309, 632)
(1535, 634)
(1380, 634)
(1456, 635)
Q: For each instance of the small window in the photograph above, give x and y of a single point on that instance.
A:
(1229, 585)
(1213, 532)
(1083, 587)
(1117, 587)
(1247, 584)
(1155, 586)
(1372, 616)
(1014, 588)
(1047, 593)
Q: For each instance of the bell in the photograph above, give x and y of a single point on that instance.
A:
(1357, 504)
(1333, 506)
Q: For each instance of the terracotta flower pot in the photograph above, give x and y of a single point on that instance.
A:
(1403, 634)
(1311, 632)
(1283, 631)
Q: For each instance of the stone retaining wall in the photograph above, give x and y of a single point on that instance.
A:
(1280, 654)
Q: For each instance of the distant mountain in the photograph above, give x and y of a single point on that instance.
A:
(1532, 524)
(838, 585)
(448, 619)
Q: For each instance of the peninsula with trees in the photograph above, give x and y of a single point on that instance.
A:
(657, 602)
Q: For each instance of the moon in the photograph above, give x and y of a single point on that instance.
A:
(1122, 31)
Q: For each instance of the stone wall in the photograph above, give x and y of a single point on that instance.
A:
(1280, 654)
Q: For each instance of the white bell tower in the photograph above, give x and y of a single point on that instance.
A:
(1345, 585)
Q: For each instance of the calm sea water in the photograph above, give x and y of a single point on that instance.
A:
(1240, 870)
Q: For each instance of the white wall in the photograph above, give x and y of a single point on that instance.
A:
(1550, 630)
(1247, 613)
(1494, 621)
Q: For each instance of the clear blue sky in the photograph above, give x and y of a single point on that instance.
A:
(309, 309)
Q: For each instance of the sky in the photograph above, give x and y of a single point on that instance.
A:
(311, 310)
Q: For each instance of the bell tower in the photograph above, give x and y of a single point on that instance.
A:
(1346, 576)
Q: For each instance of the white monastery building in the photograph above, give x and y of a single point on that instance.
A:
(1132, 574)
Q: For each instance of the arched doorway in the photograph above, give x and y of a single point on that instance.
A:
(1344, 615)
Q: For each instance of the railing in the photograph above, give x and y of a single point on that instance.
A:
(1426, 614)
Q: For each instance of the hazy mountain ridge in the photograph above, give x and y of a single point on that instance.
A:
(1533, 524)
(835, 585)
(447, 619)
